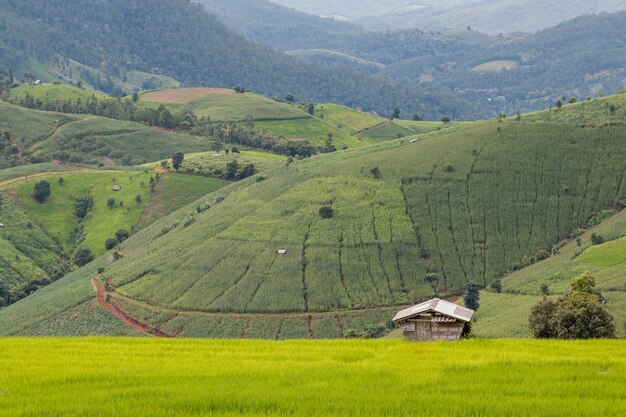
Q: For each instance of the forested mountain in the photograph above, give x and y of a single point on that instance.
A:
(492, 16)
(276, 26)
(504, 74)
(181, 40)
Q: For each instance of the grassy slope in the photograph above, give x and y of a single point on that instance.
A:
(57, 216)
(126, 377)
(209, 161)
(176, 191)
(48, 134)
(448, 219)
(51, 93)
(235, 107)
(597, 112)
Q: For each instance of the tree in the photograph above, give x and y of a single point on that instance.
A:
(597, 239)
(326, 212)
(376, 173)
(177, 160)
(110, 243)
(135, 97)
(138, 199)
(61, 181)
(445, 119)
(577, 315)
(290, 98)
(111, 203)
(417, 117)
(559, 104)
(121, 235)
(311, 109)
(541, 320)
(396, 113)
(329, 142)
(83, 256)
(471, 296)
(41, 191)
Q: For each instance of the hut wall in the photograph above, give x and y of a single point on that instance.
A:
(424, 330)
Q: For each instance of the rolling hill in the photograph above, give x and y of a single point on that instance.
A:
(409, 219)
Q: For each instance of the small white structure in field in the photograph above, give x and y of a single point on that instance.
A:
(413, 140)
(216, 155)
(116, 188)
(281, 251)
(1, 225)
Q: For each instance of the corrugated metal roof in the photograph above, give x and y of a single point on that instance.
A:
(437, 305)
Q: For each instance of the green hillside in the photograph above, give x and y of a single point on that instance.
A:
(43, 136)
(464, 204)
(39, 240)
(50, 93)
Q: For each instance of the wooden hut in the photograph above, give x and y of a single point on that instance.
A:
(433, 320)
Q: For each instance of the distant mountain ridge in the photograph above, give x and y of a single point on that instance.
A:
(491, 16)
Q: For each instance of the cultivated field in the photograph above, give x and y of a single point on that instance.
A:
(130, 377)
(183, 95)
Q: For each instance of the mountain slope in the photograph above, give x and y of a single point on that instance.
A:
(180, 40)
(492, 16)
(409, 220)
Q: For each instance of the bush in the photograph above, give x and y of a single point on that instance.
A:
(121, 235)
(597, 239)
(41, 191)
(83, 256)
(110, 243)
(496, 286)
(326, 212)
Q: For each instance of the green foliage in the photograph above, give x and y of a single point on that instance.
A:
(41, 191)
(326, 212)
(177, 160)
(471, 296)
(496, 286)
(83, 256)
(578, 315)
(110, 243)
(82, 206)
(597, 239)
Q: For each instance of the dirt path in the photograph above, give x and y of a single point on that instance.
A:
(117, 312)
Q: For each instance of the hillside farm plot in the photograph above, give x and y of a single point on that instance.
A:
(129, 377)
(215, 162)
(313, 130)
(183, 95)
(345, 118)
(237, 107)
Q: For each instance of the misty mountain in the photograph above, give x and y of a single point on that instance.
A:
(491, 16)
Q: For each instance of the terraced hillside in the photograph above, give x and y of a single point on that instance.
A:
(409, 220)
(349, 127)
(39, 136)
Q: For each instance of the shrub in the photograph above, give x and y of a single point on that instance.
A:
(111, 203)
(41, 191)
(597, 239)
(121, 235)
(188, 220)
(110, 243)
(83, 256)
(326, 212)
(496, 286)
(376, 173)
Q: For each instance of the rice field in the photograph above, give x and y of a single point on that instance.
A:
(139, 377)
